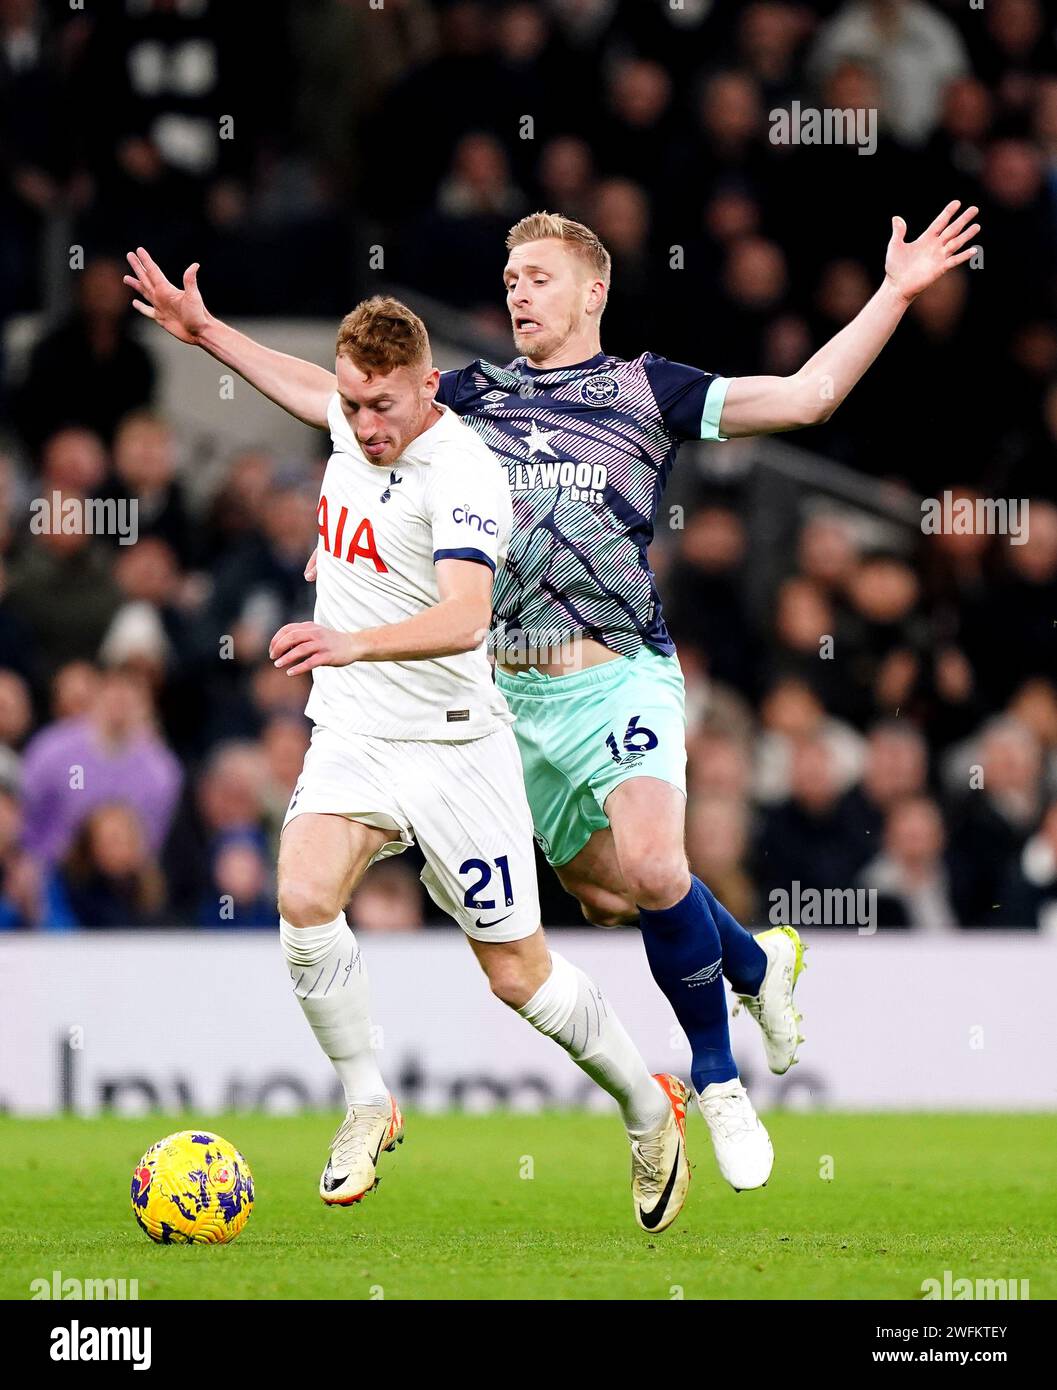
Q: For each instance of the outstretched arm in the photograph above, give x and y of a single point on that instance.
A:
(768, 404)
(299, 387)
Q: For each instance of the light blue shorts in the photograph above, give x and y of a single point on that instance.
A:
(583, 734)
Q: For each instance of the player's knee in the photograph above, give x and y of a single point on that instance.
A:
(656, 882)
(304, 903)
(606, 910)
(510, 982)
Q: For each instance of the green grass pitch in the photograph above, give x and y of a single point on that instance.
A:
(539, 1207)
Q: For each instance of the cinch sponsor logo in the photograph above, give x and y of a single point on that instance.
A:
(586, 481)
(465, 517)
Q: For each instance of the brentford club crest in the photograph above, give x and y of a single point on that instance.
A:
(599, 390)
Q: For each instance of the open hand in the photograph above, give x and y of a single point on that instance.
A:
(912, 266)
(180, 312)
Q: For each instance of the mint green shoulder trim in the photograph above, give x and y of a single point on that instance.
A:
(710, 417)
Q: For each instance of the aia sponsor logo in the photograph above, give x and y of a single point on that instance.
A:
(361, 542)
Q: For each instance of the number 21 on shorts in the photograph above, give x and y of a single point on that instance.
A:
(483, 869)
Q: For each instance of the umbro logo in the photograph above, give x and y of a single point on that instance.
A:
(494, 396)
(706, 976)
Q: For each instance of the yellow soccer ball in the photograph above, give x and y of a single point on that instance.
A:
(192, 1188)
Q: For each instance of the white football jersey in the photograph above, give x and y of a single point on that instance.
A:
(381, 532)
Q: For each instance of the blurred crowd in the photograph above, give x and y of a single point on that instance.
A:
(882, 716)
(889, 722)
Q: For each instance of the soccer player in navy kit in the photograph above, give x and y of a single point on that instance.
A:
(583, 654)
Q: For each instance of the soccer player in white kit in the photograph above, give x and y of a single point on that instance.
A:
(411, 737)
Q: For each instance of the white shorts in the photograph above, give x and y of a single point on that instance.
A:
(464, 803)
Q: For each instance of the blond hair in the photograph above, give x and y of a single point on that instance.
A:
(553, 226)
(381, 334)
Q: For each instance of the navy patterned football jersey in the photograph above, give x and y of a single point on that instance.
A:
(588, 451)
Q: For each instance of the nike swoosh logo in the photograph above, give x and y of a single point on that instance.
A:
(652, 1218)
(331, 1184)
(495, 923)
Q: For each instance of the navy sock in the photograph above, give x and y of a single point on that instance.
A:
(744, 963)
(683, 948)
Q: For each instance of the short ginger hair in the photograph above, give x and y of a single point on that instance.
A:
(381, 334)
(553, 226)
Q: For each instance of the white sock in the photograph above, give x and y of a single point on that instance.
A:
(571, 1009)
(330, 982)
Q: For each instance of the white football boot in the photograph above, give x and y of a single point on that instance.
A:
(351, 1170)
(660, 1173)
(742, 1145)
(773, 1007)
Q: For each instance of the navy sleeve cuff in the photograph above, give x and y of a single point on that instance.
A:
(467, 553)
